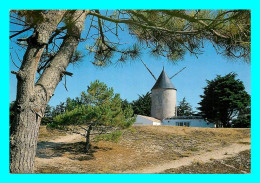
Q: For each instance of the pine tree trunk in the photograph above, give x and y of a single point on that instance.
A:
(23, 141)
(32, 98)
(88, 145)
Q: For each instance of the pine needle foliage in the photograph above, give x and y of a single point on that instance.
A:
(100, 112)
(224, 97)
(184, 108)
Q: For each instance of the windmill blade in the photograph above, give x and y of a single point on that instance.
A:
(148, 69)
(178, 72)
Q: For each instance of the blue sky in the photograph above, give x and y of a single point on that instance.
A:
(132, 79)
(244, 74)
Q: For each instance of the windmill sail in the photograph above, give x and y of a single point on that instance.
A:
(177, 72)
(148, 69)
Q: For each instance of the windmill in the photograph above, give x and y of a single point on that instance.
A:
(163, 95)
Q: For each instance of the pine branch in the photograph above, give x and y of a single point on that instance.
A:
(127, 21)
(13, 61)
(20, 32)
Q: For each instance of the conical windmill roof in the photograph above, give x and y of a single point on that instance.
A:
(163, 82)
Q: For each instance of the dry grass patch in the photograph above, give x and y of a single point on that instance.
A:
(139, 147)
(238, 164)
(245, 143)
(49, 134)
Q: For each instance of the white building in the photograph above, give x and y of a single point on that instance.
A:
(164, 110)
(145, 120)
(189, 121)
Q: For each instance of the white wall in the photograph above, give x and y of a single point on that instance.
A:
(156, 123)
(142, 121)
(163, 103)
(193, 122)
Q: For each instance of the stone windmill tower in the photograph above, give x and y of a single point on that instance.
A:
(163, 96)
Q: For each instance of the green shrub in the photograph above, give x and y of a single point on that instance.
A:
(54, 126)
(132, 130)
(113, 137)
(46, 120)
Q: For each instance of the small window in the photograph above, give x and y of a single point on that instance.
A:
(183, 124)
(187, 124)
(179, 123)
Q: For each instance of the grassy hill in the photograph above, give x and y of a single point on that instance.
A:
(138, 147)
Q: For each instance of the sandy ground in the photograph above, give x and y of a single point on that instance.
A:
(222, 153)
(67, 139)
(204, 157)
(60, 140)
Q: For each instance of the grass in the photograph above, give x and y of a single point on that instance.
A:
(244, 143)
(113, 137)
(50, 169)
(194, 149)
(186, 154)
(234, 165)
(197, 163)
(49, 134)
(137, 147)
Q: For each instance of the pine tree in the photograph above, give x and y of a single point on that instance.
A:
(223, 98)
(142, 105)
(101, 113)
(49, 40)
(184, 108)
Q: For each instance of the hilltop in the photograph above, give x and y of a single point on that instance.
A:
(147, 149)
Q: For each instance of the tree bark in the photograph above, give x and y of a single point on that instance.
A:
(32, 98)
(88, 145)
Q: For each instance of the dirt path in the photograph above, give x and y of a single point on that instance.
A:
(225, 152)
(60, 140)
(67, 139)
(55, 160)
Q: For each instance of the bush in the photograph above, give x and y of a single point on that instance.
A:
(53, 126)
(113, 137)
(46, 120)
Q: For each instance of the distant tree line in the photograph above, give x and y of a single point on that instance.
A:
(142, 105)
(224, 102)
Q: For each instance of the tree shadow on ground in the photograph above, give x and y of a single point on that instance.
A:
(74, 151)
